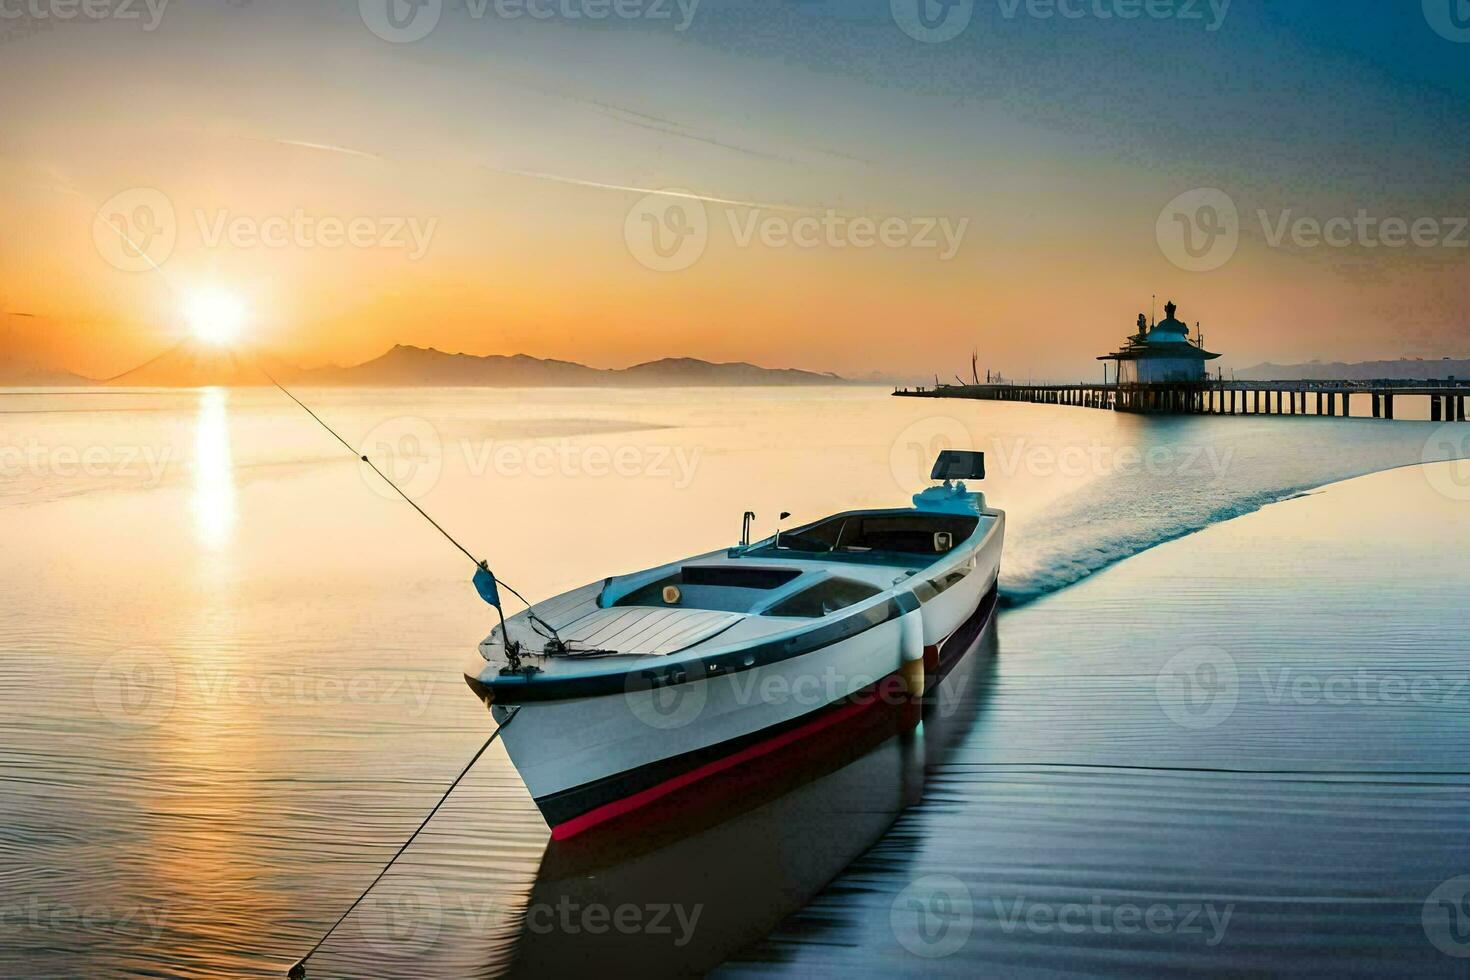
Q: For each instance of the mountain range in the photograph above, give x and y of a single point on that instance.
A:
(29, 374)
(404, 365)
(193, 364)
(1401, 370)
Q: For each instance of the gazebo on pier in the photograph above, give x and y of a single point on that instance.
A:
(1161, 354)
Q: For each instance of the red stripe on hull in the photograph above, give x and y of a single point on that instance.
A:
(889, 690)
(869, 697)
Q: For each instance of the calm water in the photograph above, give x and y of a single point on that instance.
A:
(230, 686)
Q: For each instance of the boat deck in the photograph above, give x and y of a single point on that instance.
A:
(729, 610)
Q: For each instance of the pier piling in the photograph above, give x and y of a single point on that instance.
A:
(1447, 399)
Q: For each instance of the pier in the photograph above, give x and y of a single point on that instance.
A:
(1447, 399)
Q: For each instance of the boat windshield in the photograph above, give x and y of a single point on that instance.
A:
(880, 535)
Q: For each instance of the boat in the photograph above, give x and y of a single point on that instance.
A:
(615, 695)
(810, 817)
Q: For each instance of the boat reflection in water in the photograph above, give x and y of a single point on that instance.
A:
(722, 864)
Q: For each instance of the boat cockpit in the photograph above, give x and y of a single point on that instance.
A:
(810, 572)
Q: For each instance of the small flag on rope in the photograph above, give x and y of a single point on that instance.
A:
(485, 585)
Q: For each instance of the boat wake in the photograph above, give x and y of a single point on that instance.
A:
(1119, 515)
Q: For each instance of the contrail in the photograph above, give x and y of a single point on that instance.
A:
(325, 147)
(686, 195)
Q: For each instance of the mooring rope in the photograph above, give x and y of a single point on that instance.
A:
(539, 625)
(298, 970)
(351, 449)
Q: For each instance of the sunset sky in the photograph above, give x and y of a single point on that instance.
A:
(493, 177)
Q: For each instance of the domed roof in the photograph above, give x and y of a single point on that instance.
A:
(1169, 330)
(1168, 338)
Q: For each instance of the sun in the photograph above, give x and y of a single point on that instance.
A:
(215, 315)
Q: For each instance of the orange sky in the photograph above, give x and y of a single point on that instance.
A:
(248, 122)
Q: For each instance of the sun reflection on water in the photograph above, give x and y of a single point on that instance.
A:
(213, 500)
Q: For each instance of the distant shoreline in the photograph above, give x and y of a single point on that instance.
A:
(100, 388)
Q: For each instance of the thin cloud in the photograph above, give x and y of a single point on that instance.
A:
(670, 127)
(324, 147)
(673, 127)
(633, 189)
(663, 124)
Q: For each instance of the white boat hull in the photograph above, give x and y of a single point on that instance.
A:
(594, 753)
